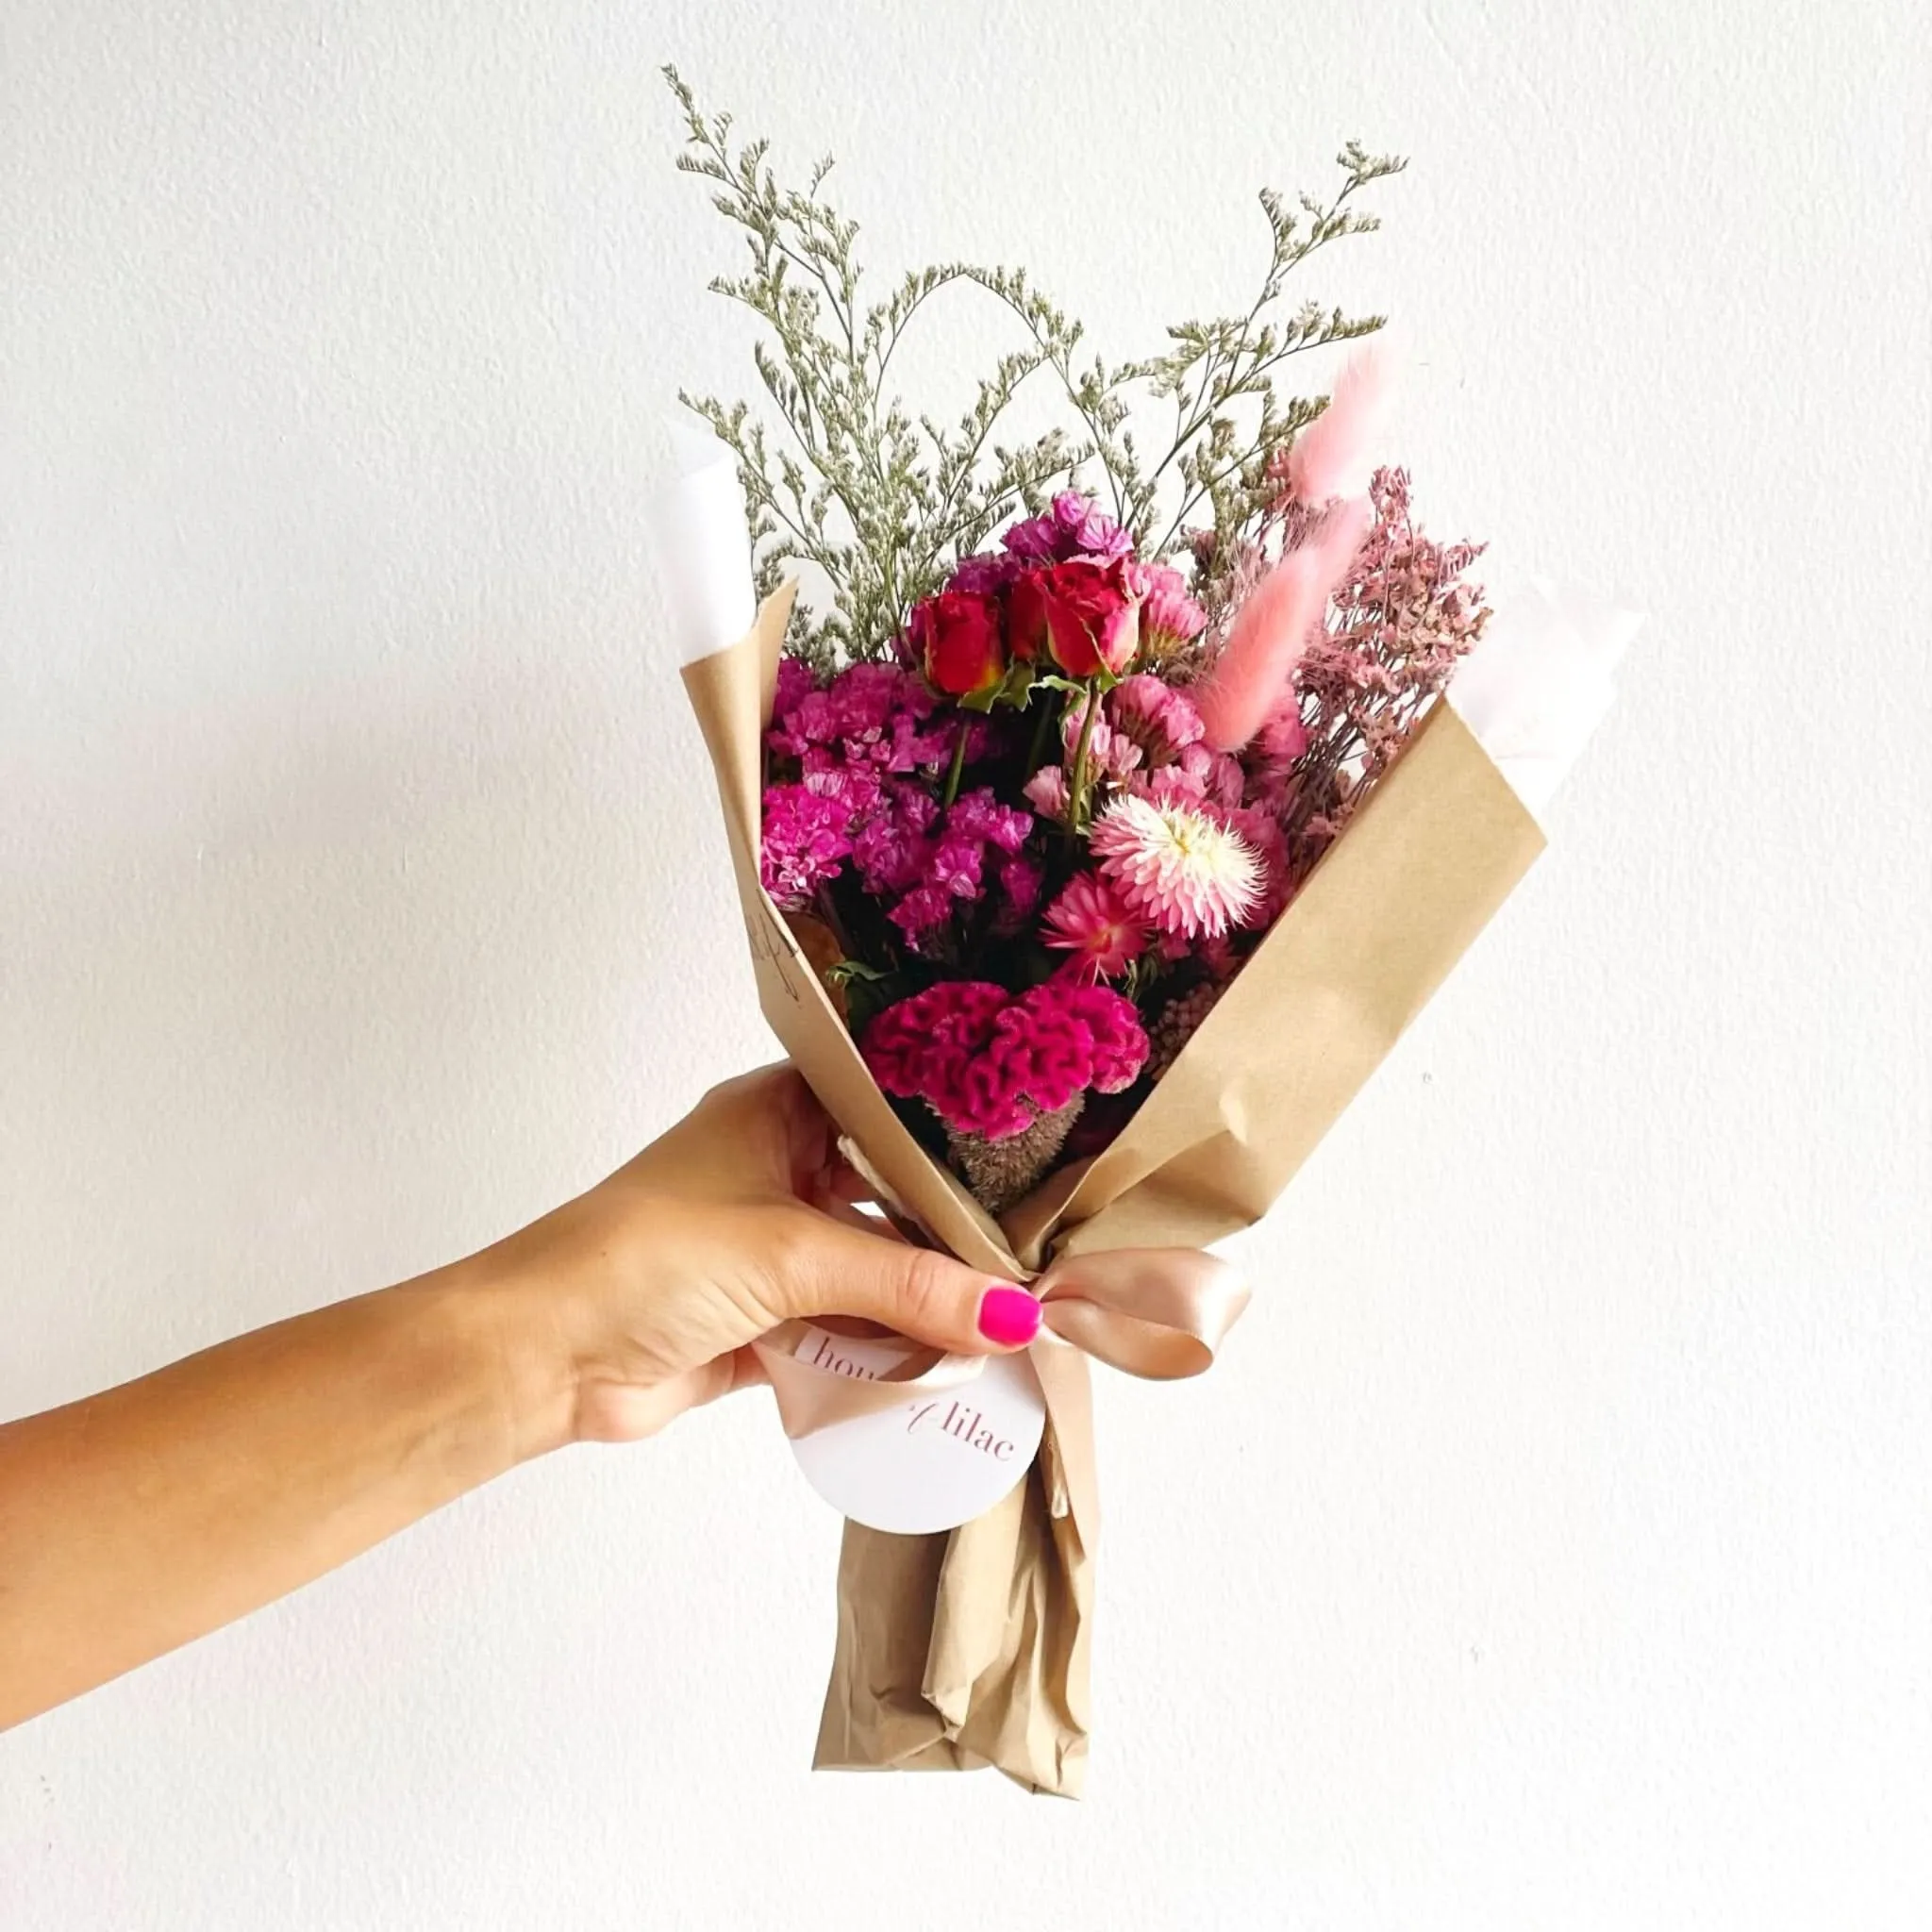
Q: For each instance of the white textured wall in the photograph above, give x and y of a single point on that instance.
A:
(1554, 1549)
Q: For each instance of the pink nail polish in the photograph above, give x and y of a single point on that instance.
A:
(1009, 1315)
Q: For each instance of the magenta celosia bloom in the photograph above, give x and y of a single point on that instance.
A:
(1178, 869)
(920, 1045)
(989, 1063)
(804, 843)
(1092, 922)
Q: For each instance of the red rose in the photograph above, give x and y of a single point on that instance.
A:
(1081, 614)
(956, 639)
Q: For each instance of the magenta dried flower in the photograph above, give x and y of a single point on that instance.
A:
(989, 1063)
(804, 843)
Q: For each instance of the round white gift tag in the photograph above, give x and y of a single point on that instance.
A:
(935, 1462)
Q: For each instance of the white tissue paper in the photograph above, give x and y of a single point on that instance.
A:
(1539, 682)
(698, 526)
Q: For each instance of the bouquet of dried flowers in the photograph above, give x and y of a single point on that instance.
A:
(1097, 830)
(1047, 785)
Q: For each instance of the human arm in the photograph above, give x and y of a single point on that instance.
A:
(135, 1521)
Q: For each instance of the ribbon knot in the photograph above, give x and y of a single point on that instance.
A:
(1158, 1313)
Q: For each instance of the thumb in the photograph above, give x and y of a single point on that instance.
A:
(933, 1298)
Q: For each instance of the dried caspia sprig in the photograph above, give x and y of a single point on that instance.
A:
(885, 504)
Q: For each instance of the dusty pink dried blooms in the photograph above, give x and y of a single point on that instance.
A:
(1400, 619)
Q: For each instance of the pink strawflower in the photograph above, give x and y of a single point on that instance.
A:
(1156, 716)
(1169, 616)
(1110, 753)
(1047, 792)
(1091, 920)
(1178, 869)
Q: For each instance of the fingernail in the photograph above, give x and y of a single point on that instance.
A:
(1009, 1315)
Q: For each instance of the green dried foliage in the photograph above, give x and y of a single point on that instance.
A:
(884, 503)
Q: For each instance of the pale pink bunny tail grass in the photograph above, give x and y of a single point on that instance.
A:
(1271, 630)
(1334, 456)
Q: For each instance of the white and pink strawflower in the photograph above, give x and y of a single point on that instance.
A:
(1175, 868)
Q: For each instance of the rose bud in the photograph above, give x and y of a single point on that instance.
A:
(956, 636)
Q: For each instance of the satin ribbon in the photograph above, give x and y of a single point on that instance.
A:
(1158, 1313)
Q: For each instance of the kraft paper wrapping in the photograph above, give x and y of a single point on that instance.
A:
(971, 1647)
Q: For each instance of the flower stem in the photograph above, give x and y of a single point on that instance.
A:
(1076, 790)
(1049, 711)
(959, 764)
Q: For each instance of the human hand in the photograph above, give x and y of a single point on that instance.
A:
(639, 1300)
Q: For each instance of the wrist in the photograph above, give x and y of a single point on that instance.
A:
(522, 1350)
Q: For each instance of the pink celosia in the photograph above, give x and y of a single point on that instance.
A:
(1178, 869)
(991, 1064)
(1091, 920)
(919, 1046)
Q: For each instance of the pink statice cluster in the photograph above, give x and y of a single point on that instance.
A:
(1075, 804)
(989, 1063)
(869, 747)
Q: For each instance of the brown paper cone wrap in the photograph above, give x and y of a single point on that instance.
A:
(970, 1647)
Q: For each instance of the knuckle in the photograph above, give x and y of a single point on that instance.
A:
(925, 1298)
